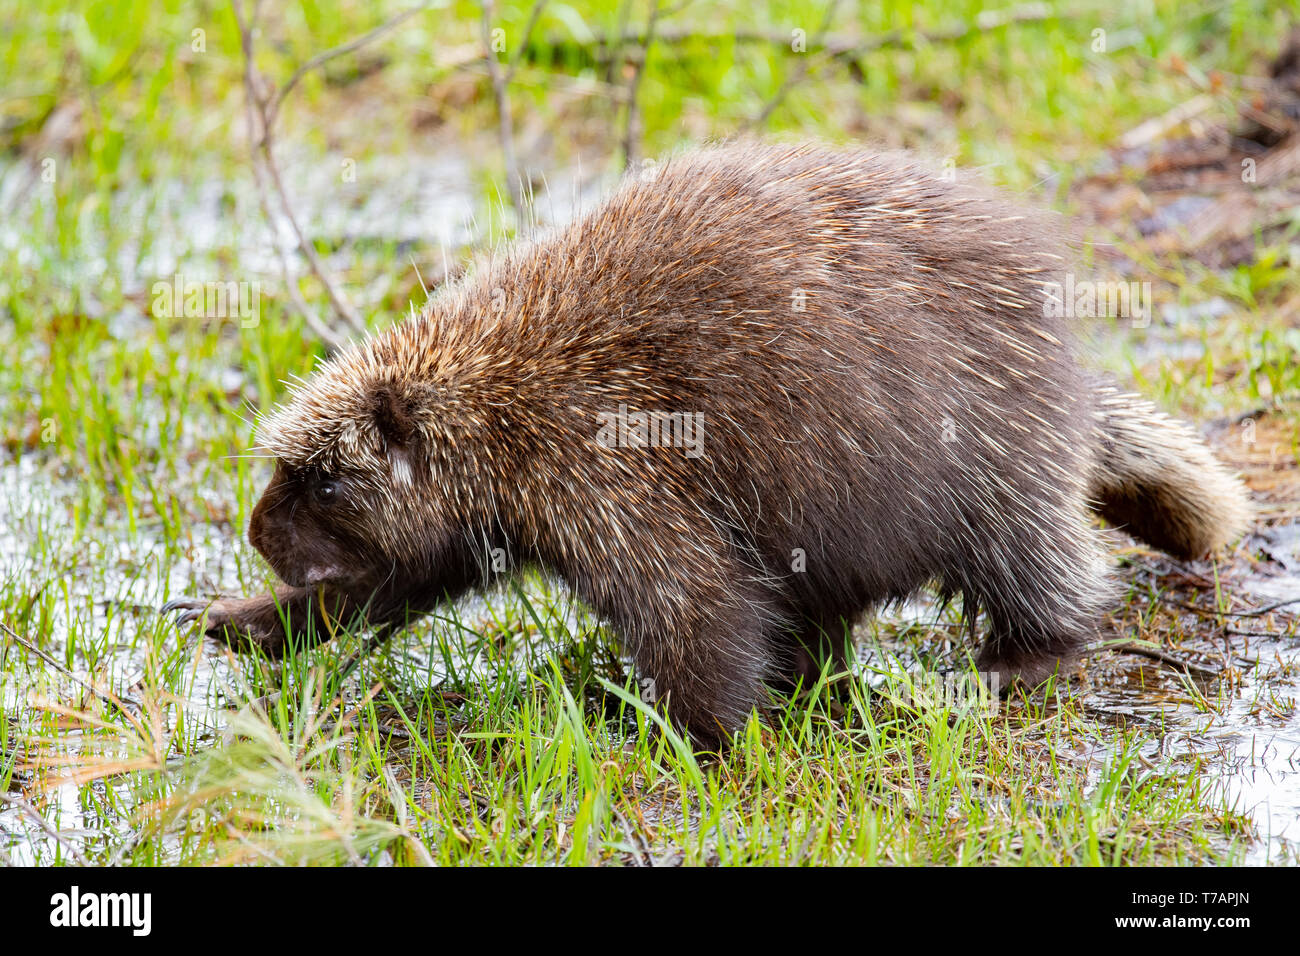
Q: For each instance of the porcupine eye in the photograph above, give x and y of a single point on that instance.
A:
(325, 491)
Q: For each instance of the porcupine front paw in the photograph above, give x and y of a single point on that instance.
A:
(243, 624)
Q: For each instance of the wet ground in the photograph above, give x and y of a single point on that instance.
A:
(1213, 687)
(1213, 681)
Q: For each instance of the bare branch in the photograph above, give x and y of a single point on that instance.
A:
(797, 75)
(1156, 654)
(533, 17)
(260, 115)
(838, 45)
(314, 322)
(60, 838)
(612, 44)
(117, 703)
(505, 126)
(633, 131)
(335, 294)
(343, 48)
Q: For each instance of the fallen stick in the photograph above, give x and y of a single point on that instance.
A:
(1158, 655)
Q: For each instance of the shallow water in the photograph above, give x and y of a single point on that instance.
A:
(1245, 732)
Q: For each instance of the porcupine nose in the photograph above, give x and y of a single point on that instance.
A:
(257, 529)
(273, 540)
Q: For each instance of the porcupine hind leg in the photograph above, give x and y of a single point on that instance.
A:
(1042, 594)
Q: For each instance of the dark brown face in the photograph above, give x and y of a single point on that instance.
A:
(301, 526)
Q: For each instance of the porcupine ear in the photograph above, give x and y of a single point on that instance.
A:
(395, 415)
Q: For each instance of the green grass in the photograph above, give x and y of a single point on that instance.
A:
(534, 766)
(507, 734)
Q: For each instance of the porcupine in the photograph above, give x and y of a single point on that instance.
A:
(883, 403)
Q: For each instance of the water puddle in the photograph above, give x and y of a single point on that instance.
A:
(1240, 730)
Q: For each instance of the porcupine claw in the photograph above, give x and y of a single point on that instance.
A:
(191, 609)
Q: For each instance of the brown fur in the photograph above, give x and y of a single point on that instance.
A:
(885, 406)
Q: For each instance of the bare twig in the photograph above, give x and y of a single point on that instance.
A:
(341, 305)
(1224, 220)
(320, 59)
(1158, 655)
(1158, 126)
(839, 45)
(611, 45)
(21, 803)
(1175, 568)
(636, 843)
(262, 110)
(632, 131)
(114, 701)
(255, 105)
(534, 15)
(1260, 612)
(675, 9)
(554, 82)
(1215, 612)
(505, 124)
(308, 314)
(797, 75)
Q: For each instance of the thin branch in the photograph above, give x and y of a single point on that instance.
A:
(797, 75)
(1177, 568)
(327, 335)
(844, 44)
(636, 843)
(320, 59)
(1205, 583)
(252, 105)
(262, 110)
(335, 294)
(633, 132)
(675, 9)
(1263, 610)
(114, 701)
(521, 48)
(16, 801)
(579, 86)
(1158, 655)
(1215, 612)
(611, 45)
(505, 126)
